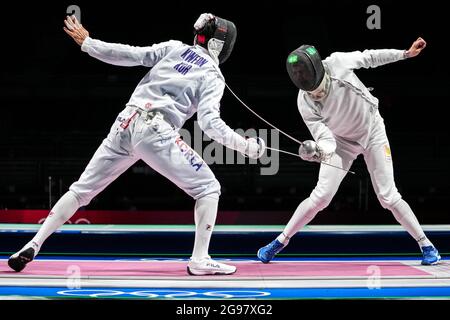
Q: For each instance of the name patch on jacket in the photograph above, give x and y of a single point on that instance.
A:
(191, 58)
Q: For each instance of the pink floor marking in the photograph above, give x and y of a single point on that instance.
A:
(244, 269)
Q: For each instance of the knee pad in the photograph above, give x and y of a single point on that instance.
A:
(389, 201)
(323, 193)
(321, 201)
(83, 198)
(212, 189)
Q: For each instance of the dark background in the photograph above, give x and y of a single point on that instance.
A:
(57, 103)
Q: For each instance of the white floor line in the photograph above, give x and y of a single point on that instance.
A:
(219, 283)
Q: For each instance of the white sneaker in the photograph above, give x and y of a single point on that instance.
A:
(208, 266)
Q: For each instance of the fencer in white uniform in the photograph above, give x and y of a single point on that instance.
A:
(344, 120)
(183, 80)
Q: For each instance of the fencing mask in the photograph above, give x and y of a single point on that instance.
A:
(215, 34)
(305, 68)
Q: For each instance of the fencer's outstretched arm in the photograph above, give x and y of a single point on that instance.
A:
(375, 58)
(209, 120)
(114, 53)
(319, 130)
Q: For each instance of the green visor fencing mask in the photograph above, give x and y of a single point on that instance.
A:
(305, 68)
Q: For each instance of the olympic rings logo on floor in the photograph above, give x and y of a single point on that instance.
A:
(107, 293)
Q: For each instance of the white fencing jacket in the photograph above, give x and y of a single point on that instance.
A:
(183, 80)
(349, 109)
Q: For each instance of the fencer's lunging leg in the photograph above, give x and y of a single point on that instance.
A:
(169, 155)
(329, 180)
(108, 162)
(379, 164)
(63, 210)
(105, 166)
(60, 213)
(305, 212)
(405, 216)
(205, 219)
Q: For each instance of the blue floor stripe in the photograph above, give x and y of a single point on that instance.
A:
(227, 293)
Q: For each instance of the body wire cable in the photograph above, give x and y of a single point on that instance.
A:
(281, 131)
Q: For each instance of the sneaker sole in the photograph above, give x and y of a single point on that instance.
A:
(194, 272)
(433, 263)
(19, 263)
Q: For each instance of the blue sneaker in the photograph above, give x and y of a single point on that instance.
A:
(430, 255)
(267, 253)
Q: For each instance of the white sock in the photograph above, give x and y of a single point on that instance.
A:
(284, 239)
(305, 212)
(405, 216)
(205, 219)
(63, 210)
(424, 242)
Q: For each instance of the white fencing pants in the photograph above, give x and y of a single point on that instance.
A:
(156, 142)
(158, 145)
(378, 159)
